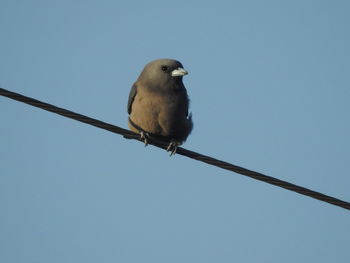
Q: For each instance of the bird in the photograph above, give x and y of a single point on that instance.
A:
(158, 104)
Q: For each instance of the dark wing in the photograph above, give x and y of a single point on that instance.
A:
(132, 95)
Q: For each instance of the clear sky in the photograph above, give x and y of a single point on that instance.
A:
(269, 85)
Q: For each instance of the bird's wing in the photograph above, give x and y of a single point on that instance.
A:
(132, 95)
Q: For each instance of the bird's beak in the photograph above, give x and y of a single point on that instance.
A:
(179, 72)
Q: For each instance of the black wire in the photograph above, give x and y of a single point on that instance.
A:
(161, 144)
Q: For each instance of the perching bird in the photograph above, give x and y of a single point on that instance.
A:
(158, 103)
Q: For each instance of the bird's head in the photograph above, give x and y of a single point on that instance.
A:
(163, 74)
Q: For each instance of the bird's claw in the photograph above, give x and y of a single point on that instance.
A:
(173, 147)
(144, 137)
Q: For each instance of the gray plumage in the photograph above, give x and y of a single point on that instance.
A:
(158, 102)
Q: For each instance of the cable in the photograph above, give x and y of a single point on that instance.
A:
(194, 155)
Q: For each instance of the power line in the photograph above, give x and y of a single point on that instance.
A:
(194, 155)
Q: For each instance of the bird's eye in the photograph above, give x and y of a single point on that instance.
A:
(164, 68)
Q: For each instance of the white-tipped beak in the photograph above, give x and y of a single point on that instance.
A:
(179, 72)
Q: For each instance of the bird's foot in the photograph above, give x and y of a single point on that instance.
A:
(144, 137)
(173, 147)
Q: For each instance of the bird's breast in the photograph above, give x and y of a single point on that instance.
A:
(159, 113)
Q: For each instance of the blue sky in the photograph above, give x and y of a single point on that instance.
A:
(269, 88)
